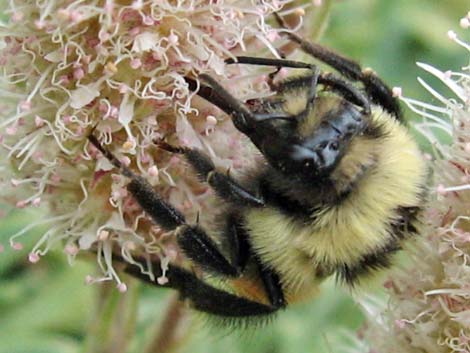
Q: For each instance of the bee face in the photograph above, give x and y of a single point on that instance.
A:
(311, 145)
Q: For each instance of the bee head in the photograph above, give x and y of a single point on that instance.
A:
(311, 146)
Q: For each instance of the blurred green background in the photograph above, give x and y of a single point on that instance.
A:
(47, 308)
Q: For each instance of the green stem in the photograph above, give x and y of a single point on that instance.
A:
(169, 336)
(113, 322)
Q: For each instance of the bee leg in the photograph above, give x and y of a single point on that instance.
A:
(165, 215)
(193, 240)
(243, 119)
(209, 94)
(251, 60)
(225, 186)
(202, 250)
(375, 88)
(240, 252)
(347, 90)
(272, 285)
(237, 242)
(203, 296)
(280, 63)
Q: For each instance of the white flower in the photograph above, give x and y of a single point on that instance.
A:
(69, 66)
(429, 303)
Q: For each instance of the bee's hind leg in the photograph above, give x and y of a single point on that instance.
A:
(202, 296)
(192, 239)
(234, 233)
(230, 191)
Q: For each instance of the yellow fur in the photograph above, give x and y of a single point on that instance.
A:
(358, 225)
(361, 153)
(323, 104)
(295, 101)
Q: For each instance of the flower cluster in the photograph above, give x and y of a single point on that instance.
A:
(118, 67)
(429, 304)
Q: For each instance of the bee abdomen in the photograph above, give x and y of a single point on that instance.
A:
(382, 257)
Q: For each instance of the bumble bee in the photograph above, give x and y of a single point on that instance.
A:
(340, 189)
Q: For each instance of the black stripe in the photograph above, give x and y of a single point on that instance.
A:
(376, 260)
(381, 258)
(283, 203)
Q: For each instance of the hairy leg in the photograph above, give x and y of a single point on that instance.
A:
(202, 296)
(347, 90)
(192, 239)
(197, 246)
(225, 186)
(376, 89)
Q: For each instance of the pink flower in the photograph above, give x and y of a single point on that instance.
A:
(70, 66)
(429, 298)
